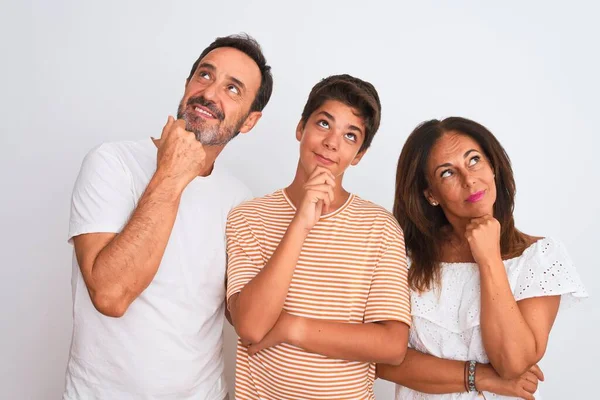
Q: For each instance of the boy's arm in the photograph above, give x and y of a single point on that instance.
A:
(380, 342)
(256, 298)
(384, 333)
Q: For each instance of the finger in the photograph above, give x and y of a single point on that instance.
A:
(167, 127)
(323, 177)
(321, 208)
(322, 170)
(255, 348)
(529, 387)
(180, 125)
(537, 372)
(322, 191)
(526, 395)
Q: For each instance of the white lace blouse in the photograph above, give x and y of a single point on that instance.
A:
(446, 320)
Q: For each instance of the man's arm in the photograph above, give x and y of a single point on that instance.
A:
(117, 267)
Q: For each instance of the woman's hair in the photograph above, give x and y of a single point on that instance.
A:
(424, 225)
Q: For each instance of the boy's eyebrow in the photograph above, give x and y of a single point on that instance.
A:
(327, 115)
(354, 128)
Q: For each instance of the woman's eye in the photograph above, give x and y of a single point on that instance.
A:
(323, 124)
(446, 173)
(474, 160)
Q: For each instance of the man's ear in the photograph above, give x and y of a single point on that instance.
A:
(299, 130)
(250, 121)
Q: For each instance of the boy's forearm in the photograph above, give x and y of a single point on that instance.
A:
(383, 342)
(259, 304)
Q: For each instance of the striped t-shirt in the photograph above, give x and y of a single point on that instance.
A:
(352, 268)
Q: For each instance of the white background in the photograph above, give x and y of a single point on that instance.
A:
(78, 73)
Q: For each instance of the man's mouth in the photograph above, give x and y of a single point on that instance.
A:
(203, 111)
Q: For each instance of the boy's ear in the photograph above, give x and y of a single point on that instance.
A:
(299, 130)
(358, 157)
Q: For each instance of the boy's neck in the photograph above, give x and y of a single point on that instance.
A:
(295, 191)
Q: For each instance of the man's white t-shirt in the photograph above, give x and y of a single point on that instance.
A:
(168, 345)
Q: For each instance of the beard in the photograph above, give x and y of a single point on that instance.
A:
(206, 133)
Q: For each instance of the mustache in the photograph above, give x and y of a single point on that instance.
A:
(212, 107)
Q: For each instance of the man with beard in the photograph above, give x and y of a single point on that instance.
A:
(147, 224)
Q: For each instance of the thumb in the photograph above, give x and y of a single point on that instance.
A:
(253, 349)
(167, 127)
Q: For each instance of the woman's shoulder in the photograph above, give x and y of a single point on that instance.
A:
(524, 245)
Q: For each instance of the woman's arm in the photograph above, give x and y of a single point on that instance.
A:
(433, 375)
(515, 335)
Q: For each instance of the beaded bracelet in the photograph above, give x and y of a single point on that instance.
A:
(471, 376)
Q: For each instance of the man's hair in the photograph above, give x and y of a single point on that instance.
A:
(353, 92)
(249, 46)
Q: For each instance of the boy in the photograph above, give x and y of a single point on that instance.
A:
(317, 277)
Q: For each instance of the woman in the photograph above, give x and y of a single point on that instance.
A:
(485, 295)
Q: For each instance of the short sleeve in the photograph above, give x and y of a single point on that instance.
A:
(389, 295)
(244, 260)
(102, 199)
(547, 270)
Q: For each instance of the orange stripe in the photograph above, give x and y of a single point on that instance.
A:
(352, 268)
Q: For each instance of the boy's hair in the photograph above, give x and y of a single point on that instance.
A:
(249, 46)
(353, 92)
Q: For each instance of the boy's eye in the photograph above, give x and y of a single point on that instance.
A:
(323, 124)
(351, 136)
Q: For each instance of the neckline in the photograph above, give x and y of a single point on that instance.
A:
(526, 251)
(328, 215)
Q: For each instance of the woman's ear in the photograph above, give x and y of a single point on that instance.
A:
(430, 198)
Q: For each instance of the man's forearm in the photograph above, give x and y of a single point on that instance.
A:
(383, 342)
(127, 265)
(260, 302)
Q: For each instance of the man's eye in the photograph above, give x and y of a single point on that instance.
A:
(233, 89)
